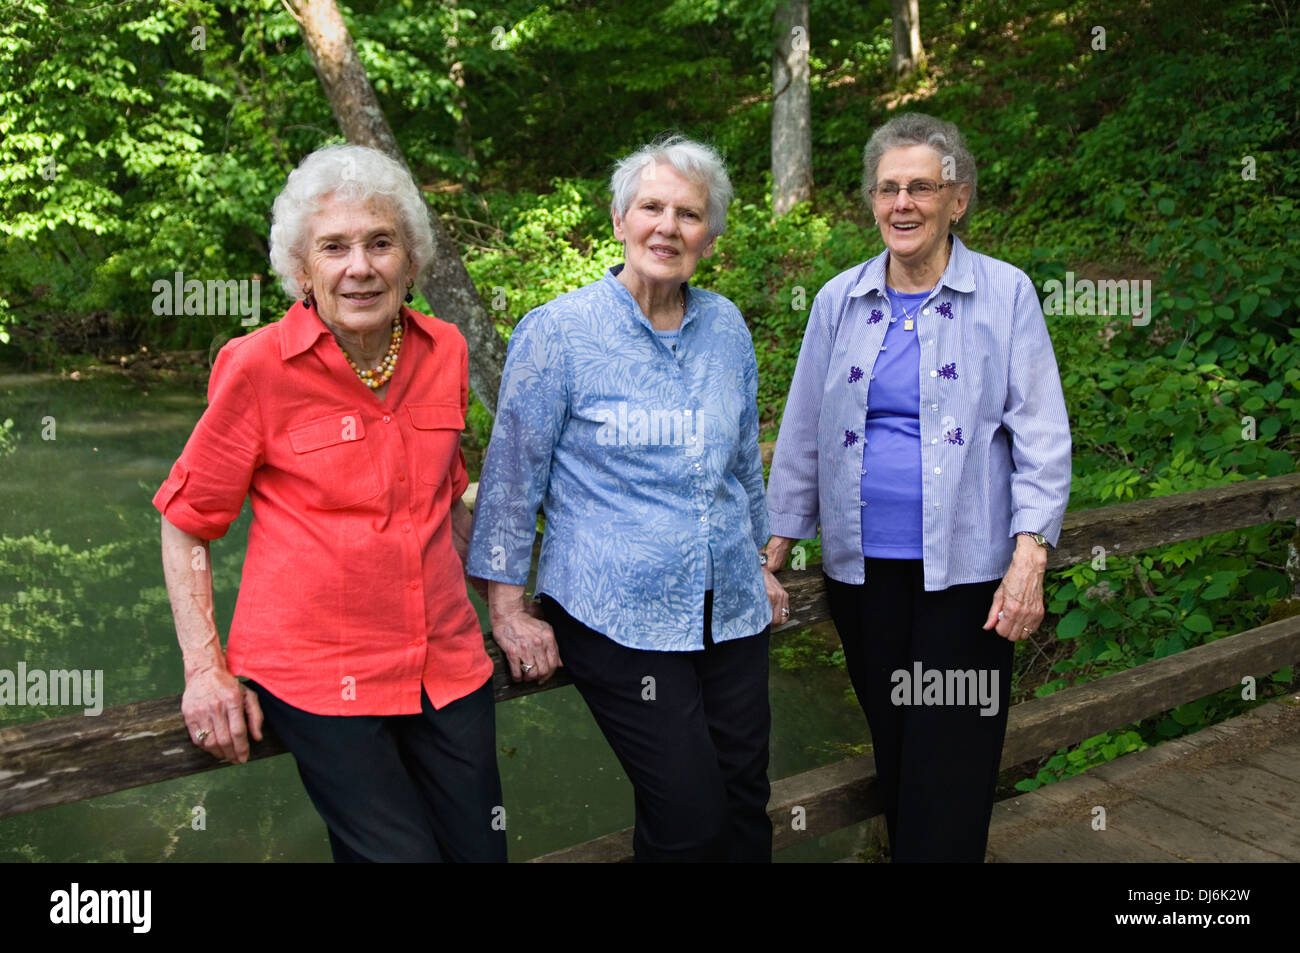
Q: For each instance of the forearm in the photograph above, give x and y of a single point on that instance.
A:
(777, 549)
(188, 574)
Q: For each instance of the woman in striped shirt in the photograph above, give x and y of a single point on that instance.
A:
(926, 434)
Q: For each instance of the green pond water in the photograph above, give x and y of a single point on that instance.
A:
(81, 587)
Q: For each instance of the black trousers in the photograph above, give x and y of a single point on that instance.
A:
(419, 788)
(937, 757)
(691, 731)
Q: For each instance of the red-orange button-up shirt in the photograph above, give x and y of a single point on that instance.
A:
(353, 596)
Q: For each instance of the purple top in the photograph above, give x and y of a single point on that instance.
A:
(891, 448)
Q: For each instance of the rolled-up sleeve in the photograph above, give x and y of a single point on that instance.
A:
(1035, 416)
(531, 410)
(207, 485)
(792, 496)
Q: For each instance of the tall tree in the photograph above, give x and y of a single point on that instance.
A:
(791, 107)
(446, 283)
(908, 54)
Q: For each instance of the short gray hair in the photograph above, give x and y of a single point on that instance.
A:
(356, 173)
(918, 129)
(692, 160)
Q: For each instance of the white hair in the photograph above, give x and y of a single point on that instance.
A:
(356, 173)
(692, 160)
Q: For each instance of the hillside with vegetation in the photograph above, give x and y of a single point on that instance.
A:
(140, 139)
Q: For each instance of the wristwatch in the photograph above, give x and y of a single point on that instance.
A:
(1038, 538)
(762, 557)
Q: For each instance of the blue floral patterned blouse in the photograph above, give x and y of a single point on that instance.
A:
(644, 460)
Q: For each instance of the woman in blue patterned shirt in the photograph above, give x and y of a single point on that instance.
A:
(628, 413)
(926, 434)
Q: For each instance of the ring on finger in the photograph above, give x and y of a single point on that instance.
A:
(526, 667)
(785, 610)
(202, 734)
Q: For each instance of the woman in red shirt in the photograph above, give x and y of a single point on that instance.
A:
(341, 422)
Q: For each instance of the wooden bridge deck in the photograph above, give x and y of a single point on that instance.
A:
(1230, 792)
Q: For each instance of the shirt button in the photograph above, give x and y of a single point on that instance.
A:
(864, 472)
(936, 506)
(413, 587)
(704, 519)
(884, 347)
(387, 419)
(406, 528)
(934, 373)
(686, 413)
(863, 503)
(401, 478)
(926, 311)
(873, 377)
(934, 406)
(936, 469)
(934, 439)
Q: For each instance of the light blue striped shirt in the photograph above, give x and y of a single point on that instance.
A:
(645, 461)
(995, 436)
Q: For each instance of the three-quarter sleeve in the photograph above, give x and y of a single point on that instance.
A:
(792, 495)
(207, 485)
(749, 464)
(531, 410)
(1035, 416)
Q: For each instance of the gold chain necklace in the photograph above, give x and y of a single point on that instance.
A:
(383, 371)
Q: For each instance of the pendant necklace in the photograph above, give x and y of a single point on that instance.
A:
(907, 318)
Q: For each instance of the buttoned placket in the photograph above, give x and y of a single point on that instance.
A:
(675, 363)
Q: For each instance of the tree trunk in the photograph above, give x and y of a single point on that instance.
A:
(908, 54)
(791, 108)
(446, 284)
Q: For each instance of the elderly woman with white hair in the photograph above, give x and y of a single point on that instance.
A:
(926, 435)
(628, 413)
(341, 422)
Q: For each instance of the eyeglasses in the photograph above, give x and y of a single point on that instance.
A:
(921, 190)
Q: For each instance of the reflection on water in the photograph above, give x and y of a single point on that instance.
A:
(81, 587)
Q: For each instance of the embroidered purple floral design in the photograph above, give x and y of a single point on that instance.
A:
(855, 374)
(954, 436)
(948, 372)
(876, 316)
(850, 438)
(945, 309)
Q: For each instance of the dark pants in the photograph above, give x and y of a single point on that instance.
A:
(401, 787)
(937, 762)
(691, 731)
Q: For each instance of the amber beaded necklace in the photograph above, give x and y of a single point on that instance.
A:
(383, 371)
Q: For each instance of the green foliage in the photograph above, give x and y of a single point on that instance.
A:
(1129, 162)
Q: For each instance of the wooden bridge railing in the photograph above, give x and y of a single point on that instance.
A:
(68, 759)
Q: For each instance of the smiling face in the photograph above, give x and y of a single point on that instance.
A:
(666, 229)
(916, 232)
(355, 264)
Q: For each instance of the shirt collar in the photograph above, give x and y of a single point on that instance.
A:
(620, 289)
(959, 275)
(300, 328)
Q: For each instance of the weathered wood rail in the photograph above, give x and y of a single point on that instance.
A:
(62, 760)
